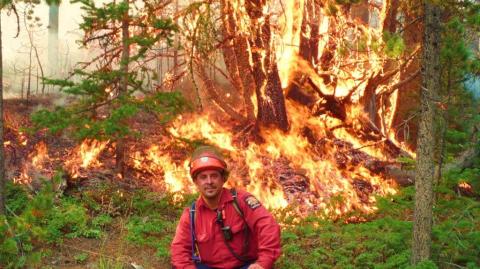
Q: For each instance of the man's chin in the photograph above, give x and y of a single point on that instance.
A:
(210, 193)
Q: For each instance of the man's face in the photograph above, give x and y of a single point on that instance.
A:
(209, 183)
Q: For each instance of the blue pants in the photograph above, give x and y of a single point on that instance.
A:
(203, 266)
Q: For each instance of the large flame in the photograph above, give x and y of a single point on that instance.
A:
(323, 178)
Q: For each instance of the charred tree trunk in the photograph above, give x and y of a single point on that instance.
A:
(308, 50)
(235, 53)
(270, 99)
(242, 57)
(123, 87)
(2, 153)
(390, 22)
(425, 168)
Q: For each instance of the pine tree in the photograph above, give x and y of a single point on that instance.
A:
(426, 138)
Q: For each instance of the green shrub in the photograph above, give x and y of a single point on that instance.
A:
(34, 221)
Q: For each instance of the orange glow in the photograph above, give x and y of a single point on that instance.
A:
(85, 156)
(40, 155)
(326, 177)
(154, 161)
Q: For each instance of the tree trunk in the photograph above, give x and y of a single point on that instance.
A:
(425, 168)
(270, 99)
(235, 53)
(310, 31)
(23, 86)
(29, 82)
(390, 22)
(123, 87)
(408, 96)
(2, 153)
(53, 39)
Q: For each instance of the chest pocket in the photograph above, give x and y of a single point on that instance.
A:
(238, 227)
(203, 237)
(205, 232)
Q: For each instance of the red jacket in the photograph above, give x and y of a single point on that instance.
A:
(264, 244)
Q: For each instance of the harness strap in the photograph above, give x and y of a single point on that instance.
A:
(195, 257)
(235, 203)
(246, 230)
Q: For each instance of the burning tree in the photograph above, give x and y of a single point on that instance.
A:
(327, 75)
(322, 56)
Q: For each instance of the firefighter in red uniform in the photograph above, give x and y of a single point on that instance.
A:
(223, 228)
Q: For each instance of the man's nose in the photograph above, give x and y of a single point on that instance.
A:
(208, 180)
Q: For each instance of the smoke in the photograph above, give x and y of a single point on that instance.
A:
(16, 51)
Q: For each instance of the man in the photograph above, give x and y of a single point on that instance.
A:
(224, 228)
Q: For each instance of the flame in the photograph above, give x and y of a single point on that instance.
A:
(40, 155)
(22, 138)
(323, 173)
(287, 169)
(155, 162)
(324, 179)
(34, 165)
(84, 156)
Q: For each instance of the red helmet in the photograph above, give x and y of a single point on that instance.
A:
(205, 158)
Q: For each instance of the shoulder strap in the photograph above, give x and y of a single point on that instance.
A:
(233, 191)
(195, 253)
(246, 230)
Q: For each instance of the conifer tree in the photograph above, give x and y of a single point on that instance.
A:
(425, 147)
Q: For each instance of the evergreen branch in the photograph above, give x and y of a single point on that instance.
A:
(93, 38)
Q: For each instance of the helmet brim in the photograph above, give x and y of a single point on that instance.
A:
(206, 163)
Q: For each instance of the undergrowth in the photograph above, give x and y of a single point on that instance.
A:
(34, 221)
(385, 240)
(36, 224)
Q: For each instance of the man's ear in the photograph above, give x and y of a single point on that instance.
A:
(225, 175)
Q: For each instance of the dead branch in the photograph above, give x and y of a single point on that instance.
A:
(212, 92)
(401, 83)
